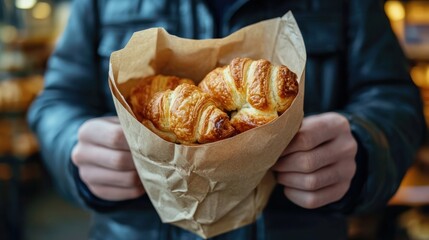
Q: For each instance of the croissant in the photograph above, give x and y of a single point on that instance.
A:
(141, 93)
(187, 115)
(255, 91)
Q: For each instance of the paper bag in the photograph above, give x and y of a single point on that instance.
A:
(210, 188)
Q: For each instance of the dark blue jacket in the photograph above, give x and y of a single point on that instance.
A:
(355, 66)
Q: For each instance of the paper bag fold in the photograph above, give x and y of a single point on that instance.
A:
(211, 188)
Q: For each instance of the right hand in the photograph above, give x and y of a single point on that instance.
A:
(104, 160)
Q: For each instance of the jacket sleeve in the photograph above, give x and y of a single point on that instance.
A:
(71, 96)
(384, 107)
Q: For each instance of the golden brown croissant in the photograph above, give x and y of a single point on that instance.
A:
(187, 115)
(146, 87)
(256, 89)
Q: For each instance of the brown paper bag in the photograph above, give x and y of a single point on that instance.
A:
(211, 188)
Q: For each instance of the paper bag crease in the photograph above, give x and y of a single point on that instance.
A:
(212, 188)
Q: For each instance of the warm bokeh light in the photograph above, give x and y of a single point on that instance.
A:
(427, 75)
(418, 12)
(25, 4)
(394, 10)
(420, 75)
(41, 10)
(8, 34)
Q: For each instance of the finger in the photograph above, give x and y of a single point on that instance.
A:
(112, 119)
(319, 157)
(87, 154)
(310, 182)
(104, 132)
(342, 171)
(319, 198)
(101, 176)
(316, 130)
(115, 193)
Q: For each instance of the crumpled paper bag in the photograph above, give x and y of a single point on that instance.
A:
(212, 188)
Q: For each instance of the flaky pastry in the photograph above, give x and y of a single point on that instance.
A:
(187, 115)
(255, 91)
(146, 87)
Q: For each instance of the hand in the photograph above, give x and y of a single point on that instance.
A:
(318, 165)
(104, 160)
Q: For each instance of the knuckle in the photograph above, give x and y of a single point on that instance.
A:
(343, 123)
(351, 147)
(311, 182)
(117, 137)
(83, 129)
(136, 192)
(350, 170)
(335, 177)
(120, 161)
(310, 201)
(77, 155)
(348, 147)
(353, 170)
(285, 192)
(80, 133)
(323, 124)
(280, 178)
(85, 176)
(342, 191)
(130, 180)
(97, 191)
(308, 165)
(304, 140)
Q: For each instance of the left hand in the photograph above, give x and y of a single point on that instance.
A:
(104, 160)
(318, 165)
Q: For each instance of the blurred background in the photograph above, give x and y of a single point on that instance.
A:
(30, 208)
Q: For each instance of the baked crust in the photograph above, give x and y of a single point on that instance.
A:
(190, 114)
(255, 91)
(147, 87)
